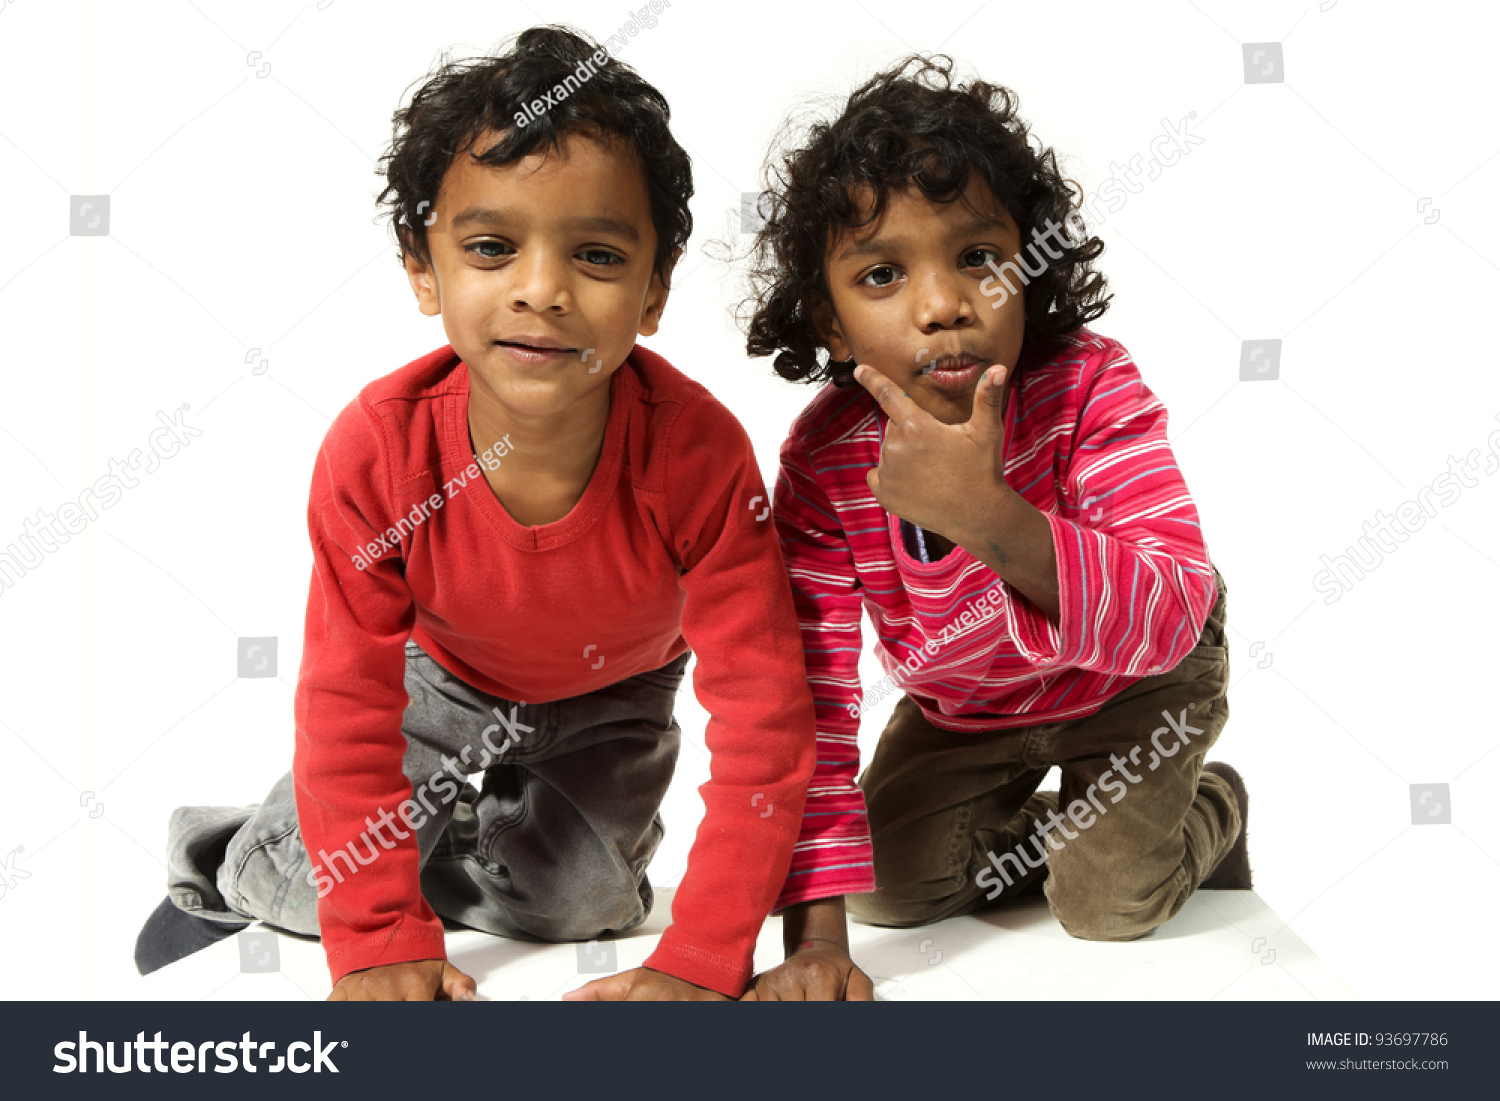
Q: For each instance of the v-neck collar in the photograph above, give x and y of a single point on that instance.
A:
(458, 454)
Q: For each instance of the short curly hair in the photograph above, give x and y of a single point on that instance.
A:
(464, 99)
(908, 125)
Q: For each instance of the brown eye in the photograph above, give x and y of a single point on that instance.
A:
(870, 279)
(474, 248)
(601, 258)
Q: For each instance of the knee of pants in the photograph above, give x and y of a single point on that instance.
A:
(575, 908)
(1100, 912)
(881, 908)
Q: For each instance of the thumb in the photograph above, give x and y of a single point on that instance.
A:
(455, 985)
(987, 419)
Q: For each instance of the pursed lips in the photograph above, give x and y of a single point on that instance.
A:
(951, 362)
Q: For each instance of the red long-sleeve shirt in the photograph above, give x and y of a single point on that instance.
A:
(1086, 443)
(669, 547)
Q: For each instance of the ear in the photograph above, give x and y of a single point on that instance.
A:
(656, 295)
(826, 322)
(424, 283)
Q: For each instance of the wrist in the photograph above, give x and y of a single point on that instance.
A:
(815, 943)
(991, 514)
(820, 921)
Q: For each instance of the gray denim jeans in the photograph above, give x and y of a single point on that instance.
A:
(554, 845)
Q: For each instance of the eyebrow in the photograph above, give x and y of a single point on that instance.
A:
(974, 224)
(979, 223)
(603, 223)
(871, 247)
(597, 223)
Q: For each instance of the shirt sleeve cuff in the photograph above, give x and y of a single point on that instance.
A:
(856, 880)
(405, 944)
(1041, 642)
(692, 964)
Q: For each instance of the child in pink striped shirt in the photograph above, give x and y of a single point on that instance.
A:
(991, 481)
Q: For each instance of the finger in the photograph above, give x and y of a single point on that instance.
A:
(821, 987)
(612, 988)
(987, 417)
(456, 986)
(896, 404)
(860, 989)
(752, 994)
(649, 991)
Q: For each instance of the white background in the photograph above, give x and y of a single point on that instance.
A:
(242, 217)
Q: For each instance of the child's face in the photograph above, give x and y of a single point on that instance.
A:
(906, 296)
(541, 271)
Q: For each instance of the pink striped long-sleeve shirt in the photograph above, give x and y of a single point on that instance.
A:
(1086, 443)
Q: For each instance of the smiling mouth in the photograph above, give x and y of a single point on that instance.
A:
(541, 346)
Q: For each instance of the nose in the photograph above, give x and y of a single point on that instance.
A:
(942, 303)
(539, 282)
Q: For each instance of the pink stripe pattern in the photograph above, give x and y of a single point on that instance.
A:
(1086, 444)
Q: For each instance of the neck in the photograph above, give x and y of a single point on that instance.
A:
(562, 443)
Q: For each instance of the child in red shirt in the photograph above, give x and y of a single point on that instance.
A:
(516, 539)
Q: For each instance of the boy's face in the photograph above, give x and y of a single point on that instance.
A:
(541, 271)
(906, 296)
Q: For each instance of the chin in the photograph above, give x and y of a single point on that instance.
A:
(536, 400)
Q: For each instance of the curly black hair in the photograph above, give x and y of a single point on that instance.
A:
(898, 129)
(464, 99)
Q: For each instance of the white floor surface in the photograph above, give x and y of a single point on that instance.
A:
(1223, 945)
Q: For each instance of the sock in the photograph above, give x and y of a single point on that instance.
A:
(170, 934)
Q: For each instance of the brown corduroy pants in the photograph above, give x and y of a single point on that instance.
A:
(1137, 825)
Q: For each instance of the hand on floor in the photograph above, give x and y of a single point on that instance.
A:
(642, 985)
(416, 981)
(819, 972)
